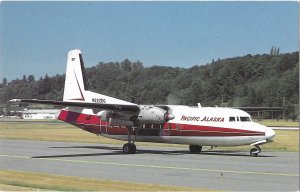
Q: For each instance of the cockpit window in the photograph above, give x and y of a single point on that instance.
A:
(231, 119)
(245, 119)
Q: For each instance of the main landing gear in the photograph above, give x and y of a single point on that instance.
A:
(130, 148)
(255, 151)
(195, 148)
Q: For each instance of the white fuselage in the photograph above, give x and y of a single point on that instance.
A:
(207, 126)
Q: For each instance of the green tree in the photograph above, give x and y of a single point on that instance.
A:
(31, 78)
(4, 81)
(126, 65)
(24, 78)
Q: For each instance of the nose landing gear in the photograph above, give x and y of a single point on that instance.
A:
(255, 151)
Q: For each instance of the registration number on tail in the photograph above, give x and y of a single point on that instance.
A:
(97, 100)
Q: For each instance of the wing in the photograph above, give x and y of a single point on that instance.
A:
(89, 105)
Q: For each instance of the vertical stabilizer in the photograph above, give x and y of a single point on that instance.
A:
(75, 82)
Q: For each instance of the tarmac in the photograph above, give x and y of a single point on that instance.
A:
(219, 170)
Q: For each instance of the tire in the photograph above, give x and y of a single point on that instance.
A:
(253, 152)
(133, 147)
(129, 148)
(195, 148)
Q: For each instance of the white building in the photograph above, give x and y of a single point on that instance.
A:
(40, 114)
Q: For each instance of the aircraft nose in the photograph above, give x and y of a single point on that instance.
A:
(270, 133)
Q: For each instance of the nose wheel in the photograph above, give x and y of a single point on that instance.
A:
(255, 151)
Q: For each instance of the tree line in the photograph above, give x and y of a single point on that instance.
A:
(252, 80)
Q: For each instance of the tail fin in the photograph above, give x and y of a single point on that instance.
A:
(75, 82)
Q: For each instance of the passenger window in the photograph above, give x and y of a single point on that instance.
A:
(231, 119)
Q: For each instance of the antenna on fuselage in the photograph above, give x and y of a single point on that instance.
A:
(199, 105)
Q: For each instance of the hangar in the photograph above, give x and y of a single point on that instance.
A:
(39, 114)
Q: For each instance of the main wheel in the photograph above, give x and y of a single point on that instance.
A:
(126, 148)
(195, 148)
(129, 148)
(253, 152)
(133, 148)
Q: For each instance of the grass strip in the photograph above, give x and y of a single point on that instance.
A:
(5, 187)
(278, 123)
(29, 181)
(60, 132)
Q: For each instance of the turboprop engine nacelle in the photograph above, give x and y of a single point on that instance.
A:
(153, 115)
(120, 122)
(115, 119)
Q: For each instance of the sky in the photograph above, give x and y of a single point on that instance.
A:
(36, 36)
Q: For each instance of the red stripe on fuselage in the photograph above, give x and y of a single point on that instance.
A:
(94, 124)
(189, 130)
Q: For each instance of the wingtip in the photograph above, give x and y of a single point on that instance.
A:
(15, 100)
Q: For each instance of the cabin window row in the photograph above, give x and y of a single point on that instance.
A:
(242, 119)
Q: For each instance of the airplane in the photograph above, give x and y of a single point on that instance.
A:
(178, 124)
